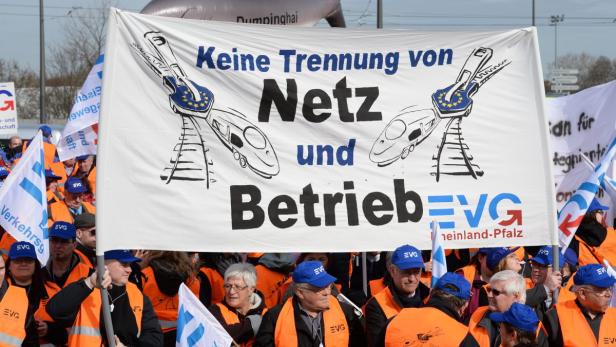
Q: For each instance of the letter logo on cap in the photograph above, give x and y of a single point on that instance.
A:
(601, 271)
(543, 251)
(20, 247)
(319, 270)
(410, 255)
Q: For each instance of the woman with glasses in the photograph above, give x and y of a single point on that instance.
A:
(241, 311)
(163, 273)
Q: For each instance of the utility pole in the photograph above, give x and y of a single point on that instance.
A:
(533, 12)
(42, 62)
(554, 20)
(379, 14)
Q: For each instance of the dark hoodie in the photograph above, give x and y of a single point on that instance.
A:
(167, 280)
(591, 232)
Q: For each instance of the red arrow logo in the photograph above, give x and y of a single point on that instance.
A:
(567, 224)
(516, 216)
(9, 105)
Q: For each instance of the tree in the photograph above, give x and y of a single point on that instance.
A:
(72, 60)
(26, 84)
(600, 72)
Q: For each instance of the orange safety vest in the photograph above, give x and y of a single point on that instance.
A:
(84, 259)
(49, 151)
(6, 242)
(14, 308)
(59, 170)
(529, 283)
(80, 271)
(231, 317)
(54, 197)
(426, 325)
(566, 294)
(608, 247)
(335, 325)
(575, 330)
(59, 211)
(165, 307)
(216, 283)
(479, 333)
(269, 283)
(376, 286)
(588, 254)
(387, 303)
(468, 272)
(86, 328)
(92, 180)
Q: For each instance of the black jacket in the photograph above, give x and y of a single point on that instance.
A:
(242, 331)
(265, 336)
(376, 321)
(65, 305)
(494, 334)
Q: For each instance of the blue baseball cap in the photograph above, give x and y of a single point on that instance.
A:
(595, 205)
(49, 174)
(63, 230)
(407, 257)
(594, 275)
(74, 185)
(4, 172)
(45, 129)
(570, 257)
(484, 250)
(121, 255)
(22, 249)
(495, 255)
(454, 284)
(313, 273)
(518, 315)
(544, 256)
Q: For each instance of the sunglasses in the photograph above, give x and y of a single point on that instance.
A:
(495, 292)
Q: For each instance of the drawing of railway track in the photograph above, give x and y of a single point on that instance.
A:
(453, 157)
(189, 161)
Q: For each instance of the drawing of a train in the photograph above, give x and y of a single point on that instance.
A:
(402, 135)
(249, 145)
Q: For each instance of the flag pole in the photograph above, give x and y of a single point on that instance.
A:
(364, 274)
(555, 267)
(100, 269)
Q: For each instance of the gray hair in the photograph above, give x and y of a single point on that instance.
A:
(245, 271)
(514, 283)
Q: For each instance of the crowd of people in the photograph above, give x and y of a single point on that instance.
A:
(491, 297)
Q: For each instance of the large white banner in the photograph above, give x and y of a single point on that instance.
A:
(23, 202)
(8, 111)
(225, 137)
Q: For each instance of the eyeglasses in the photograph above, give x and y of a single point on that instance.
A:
(599, 291)
(495, 292)
(229, 287)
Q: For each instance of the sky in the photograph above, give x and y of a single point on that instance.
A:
(588, 26)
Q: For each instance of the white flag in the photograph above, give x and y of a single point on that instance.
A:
(23, 200)
(612, 272)
(196, 325)
(78, 137)
(439, 264)
(572, 213)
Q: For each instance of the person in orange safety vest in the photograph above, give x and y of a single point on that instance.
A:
(517, 326)
(12, 299)
(312, 317)
(588, 320)
(79, 306)
(439, 323)
(404, 291)
(72, 205)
